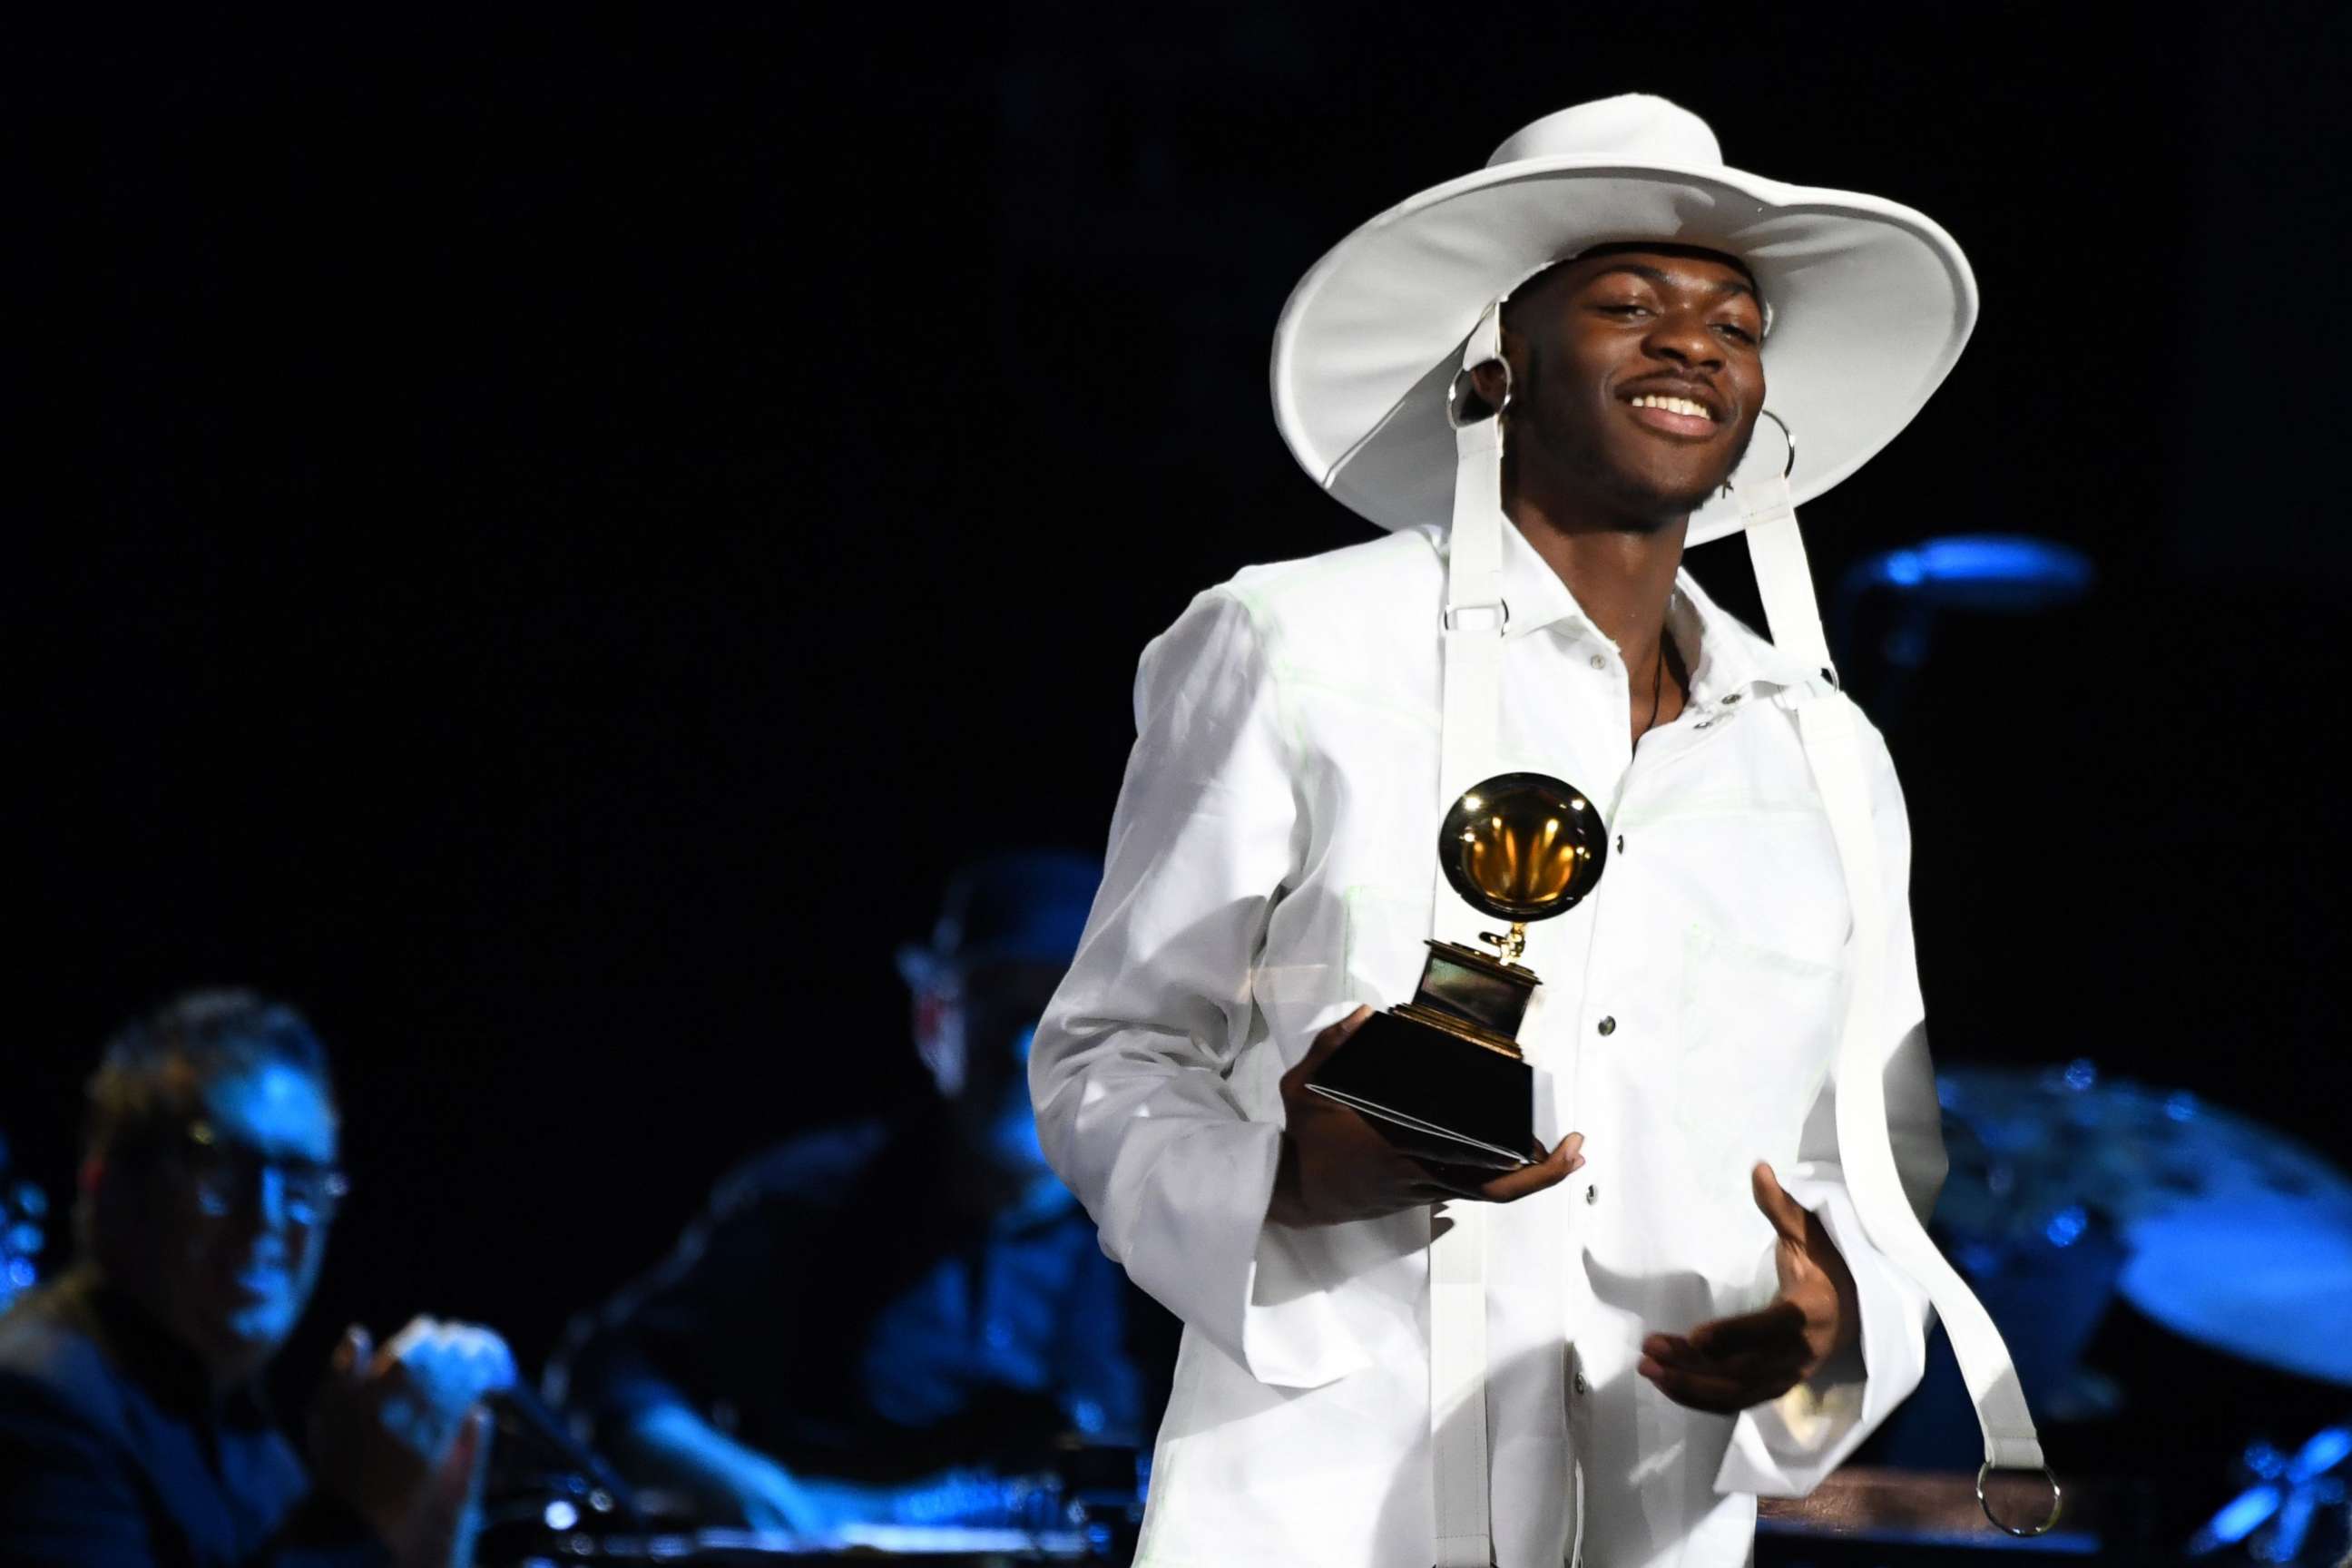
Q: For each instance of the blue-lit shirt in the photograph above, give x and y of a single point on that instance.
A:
(846, 1306)
(116, 1452)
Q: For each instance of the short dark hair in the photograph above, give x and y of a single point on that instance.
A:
(155, 1071)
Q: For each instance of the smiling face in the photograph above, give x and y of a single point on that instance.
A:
(1636, 376)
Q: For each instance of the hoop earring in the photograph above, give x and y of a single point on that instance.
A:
(1788, 439)
(1463, 391)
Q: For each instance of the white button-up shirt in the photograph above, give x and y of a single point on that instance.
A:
(1272, 864)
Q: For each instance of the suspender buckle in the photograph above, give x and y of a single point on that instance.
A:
(1491, 617)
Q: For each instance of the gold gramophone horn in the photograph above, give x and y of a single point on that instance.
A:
(1522, 847)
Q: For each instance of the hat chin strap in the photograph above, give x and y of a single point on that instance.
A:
(1825, 725)
(1474, 618)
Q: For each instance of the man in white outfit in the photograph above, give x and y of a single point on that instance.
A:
(1677, 1307)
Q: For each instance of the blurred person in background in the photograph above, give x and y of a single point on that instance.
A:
(896, 1321)
(133, 1430)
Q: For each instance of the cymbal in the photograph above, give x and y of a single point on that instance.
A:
(2266, 1278)
(2236, 1236)
(2033, 1141)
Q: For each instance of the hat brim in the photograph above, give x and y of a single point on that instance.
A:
(1871, 303)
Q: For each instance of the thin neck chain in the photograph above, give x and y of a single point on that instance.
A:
(1658, 691)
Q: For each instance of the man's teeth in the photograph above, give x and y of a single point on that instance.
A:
(1683, 405)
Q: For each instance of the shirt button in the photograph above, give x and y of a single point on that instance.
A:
(1621, 843)
(1730, 697)
(1582, 1386)
(1608, 1025)
(1600, 661)
(1591, 1196)
(1704, 723)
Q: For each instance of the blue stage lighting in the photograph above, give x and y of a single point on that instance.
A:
(1999, 573)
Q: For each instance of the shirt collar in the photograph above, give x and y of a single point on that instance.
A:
(1730, 657)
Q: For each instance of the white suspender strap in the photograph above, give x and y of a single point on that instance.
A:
(1457, 1389)
(1833, 750)
(1472, 632)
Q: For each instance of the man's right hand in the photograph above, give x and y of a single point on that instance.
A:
(396, 1433)
(730, 1483)
(1335, 1167)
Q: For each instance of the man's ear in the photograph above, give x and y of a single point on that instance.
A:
(939, 1037)
(106, 1202)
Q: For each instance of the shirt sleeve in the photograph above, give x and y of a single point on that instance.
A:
(1786, 1447)
(1131, 1066)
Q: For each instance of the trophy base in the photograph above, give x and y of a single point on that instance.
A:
(1435, 1094)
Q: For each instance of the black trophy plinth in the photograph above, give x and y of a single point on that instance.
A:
(1442, 1077)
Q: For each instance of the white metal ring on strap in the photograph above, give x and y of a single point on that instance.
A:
(2057, 1502)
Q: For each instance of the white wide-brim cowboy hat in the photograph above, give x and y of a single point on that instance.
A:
(1870, 303)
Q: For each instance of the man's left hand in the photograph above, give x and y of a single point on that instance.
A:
(1729, 1364)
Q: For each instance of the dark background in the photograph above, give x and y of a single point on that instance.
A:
(548, 543)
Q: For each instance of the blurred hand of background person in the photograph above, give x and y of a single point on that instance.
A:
(398, 1433)
(669, 1445)
(133, 1427)
(725, 1479)
(783, 1371)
